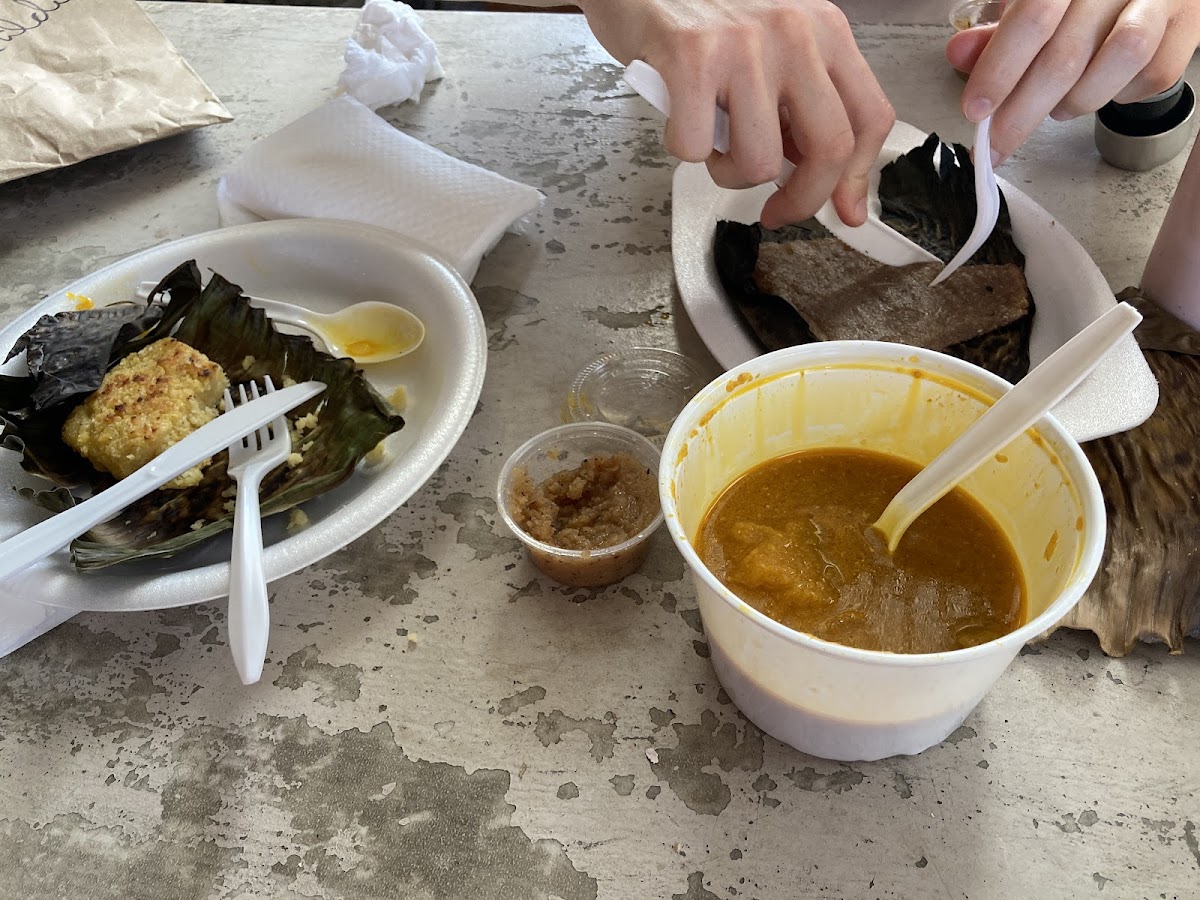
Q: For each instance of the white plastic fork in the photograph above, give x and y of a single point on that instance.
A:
(987, 201)
(249, 460)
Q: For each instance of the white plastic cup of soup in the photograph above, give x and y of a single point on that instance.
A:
(835, 701)
(560, 449)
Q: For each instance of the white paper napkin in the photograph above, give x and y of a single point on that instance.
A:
(389, 57)
(21, 621)
(342, 161)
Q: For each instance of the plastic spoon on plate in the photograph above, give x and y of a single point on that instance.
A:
(987, 201)
(1031, 398)
(368, 332)
(873, 238)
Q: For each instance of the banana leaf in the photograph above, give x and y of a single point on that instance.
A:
(219, 321)
(927, 195)
(68, 353)
(1148, 585)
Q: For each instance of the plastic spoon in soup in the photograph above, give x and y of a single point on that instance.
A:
(1032, 397)
(368, 332)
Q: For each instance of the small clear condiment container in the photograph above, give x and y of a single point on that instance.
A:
(561, 449)
(641, 388)
(973, 13)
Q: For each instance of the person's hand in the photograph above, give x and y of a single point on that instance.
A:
(1066, 58)
(791, 77)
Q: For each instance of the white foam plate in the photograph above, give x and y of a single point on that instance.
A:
(1067, 287)
(322, 265)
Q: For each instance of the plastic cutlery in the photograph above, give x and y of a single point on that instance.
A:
(987, 201)
(368, 332)
(47, 537)
(873, 238)
(1034, 396)
(249, 460)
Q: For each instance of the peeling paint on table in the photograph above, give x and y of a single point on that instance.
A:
(438, 721)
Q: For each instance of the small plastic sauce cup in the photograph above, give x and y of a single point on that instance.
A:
(564, 448)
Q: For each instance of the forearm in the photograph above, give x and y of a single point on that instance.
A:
(538, 3)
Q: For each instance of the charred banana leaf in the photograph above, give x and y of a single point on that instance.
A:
(929, 197)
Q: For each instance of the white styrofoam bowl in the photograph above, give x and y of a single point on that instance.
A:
(835, 701)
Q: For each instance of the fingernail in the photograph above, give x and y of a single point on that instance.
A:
(996, 158)
(1058, 114)
(978, 109)
(860, 211)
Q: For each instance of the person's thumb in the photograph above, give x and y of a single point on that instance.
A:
(964, 49)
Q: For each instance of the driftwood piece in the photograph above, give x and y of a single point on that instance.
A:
(1148, 585)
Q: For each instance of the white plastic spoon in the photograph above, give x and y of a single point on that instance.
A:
(873, 238)
(1033, 397)
(368, 332)
(987, 201)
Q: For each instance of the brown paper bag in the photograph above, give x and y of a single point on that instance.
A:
(79, 78)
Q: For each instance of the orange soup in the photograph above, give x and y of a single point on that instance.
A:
(793, 538)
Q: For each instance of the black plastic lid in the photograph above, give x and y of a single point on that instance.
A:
(1154, 115)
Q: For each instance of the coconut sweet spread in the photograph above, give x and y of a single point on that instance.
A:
(588, 514)
(604, 501)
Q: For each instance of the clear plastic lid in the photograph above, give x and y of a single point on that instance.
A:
(970, 13)
(641, 388)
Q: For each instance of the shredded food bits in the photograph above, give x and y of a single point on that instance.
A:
(149, 401)
(603, 502)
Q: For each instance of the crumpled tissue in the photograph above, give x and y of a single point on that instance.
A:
(389, 57)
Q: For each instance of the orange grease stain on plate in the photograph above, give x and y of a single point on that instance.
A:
(81, 302)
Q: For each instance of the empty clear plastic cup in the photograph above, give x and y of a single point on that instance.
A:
(641, 388)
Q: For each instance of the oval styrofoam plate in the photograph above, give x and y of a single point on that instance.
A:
(323, 265)
(1066, 285)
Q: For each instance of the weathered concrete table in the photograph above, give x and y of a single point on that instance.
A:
(436, 720)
